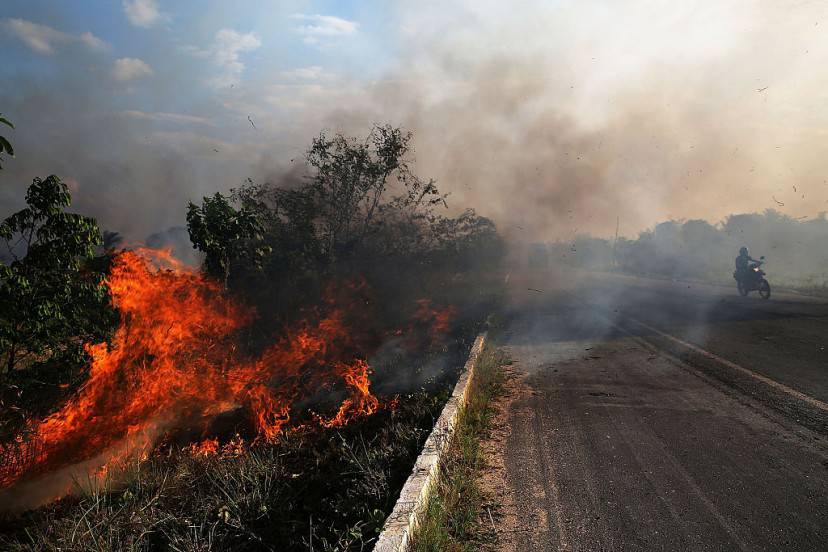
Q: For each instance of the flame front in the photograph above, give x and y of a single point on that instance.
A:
(173, 363)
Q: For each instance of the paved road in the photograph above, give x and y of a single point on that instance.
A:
(666, 416)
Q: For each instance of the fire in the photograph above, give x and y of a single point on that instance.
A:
(174, 364)
(361, 400)
(438, 322)
(208, 447)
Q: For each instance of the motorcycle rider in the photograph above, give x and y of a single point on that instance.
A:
(743, 264)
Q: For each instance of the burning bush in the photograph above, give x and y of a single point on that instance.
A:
(175, 365)
(175, 362)
(320, 308)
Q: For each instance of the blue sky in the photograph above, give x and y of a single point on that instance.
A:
(262, 39)
(173, 84)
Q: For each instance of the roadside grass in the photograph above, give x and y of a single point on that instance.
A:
(451, 519)
(313, 489)
(321, 490)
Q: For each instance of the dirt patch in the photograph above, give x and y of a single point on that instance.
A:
(499, 515)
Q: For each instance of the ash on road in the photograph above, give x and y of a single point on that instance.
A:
(659, 415)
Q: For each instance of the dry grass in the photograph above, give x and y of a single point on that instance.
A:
(450, 522)
(319, 490)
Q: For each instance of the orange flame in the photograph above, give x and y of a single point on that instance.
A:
(361, 400)
(208, 447)
(438, 322)
(173, 363)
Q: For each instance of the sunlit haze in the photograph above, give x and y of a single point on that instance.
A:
(560, 115)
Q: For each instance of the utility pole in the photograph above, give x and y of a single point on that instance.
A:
(615, 243)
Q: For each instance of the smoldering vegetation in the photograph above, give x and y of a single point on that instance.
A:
(795, 251)
(322, 490)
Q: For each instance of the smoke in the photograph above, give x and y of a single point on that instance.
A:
(552, 119)
(697, 250)
(177, 240)
(558, 120)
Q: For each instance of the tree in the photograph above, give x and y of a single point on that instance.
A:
(51, 300)
(226, 235)
(348, 184)
(358, 213)
(5, 146)
(361, 207)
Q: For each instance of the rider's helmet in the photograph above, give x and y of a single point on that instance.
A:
(743, 251)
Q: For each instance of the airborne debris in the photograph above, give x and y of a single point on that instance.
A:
(762, 89)
(251, 121)
(777, 201)
(533, 289)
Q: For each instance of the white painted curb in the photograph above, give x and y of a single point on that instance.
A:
(400, 525)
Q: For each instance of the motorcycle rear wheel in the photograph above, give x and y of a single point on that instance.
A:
(764, 289)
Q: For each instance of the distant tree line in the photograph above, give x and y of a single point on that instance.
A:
(795, 249)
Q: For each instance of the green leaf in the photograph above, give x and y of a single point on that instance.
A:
(53, 289)
(6, 122)
(4, 145)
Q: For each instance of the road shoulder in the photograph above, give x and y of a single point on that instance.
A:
(500, 513)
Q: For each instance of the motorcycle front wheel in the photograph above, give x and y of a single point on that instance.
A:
(764, 289)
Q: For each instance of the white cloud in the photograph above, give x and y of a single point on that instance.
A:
(312, 72)
(92, 41)
(319, 27)
(226, 51)
(161, 117)
(230, 45)
(39, 38)
(142, 13)
(44, 40)
(127, 69)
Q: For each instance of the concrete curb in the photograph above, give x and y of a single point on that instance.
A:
(400, 525)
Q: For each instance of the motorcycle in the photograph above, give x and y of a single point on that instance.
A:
(755, 280)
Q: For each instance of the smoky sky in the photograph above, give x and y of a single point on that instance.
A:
(551, 118)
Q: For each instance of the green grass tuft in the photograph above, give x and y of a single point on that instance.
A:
(450, 521)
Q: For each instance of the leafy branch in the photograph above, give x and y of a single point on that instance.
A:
(5, 146)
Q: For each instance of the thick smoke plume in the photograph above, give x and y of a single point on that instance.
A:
(551, 119)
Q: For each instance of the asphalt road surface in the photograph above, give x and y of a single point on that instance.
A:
(659, 415)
